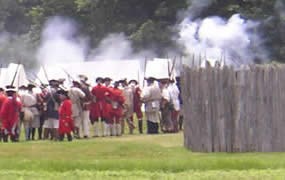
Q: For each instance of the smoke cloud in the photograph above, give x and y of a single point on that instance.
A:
(117, 46)
(16, 48)
(61, 42)
(232, 40)
(114, 46)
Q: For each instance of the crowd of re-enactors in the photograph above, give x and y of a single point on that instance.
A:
(82, 111)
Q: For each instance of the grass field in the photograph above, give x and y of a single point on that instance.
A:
(132, 157)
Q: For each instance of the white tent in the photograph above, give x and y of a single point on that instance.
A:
(160, 68)
(50, 72)
(115, 69)
(13, 71)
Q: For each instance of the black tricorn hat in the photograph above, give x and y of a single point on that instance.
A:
(10, 88)
(76, 83)
(30, 86)
(62, 92)
(99, 79)
(133, 81)
(107, 79)
(150, 79)
(53, 81)
(163, 81)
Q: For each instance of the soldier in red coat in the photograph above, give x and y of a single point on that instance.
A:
(99, 108)
(137, 103)
(116, 100)
(66, 124)
(3, 97)
(10, 114)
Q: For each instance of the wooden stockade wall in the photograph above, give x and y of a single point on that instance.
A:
(229, 110)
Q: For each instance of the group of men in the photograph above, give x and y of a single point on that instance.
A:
(106, 107)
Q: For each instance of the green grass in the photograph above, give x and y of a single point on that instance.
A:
(132, 156)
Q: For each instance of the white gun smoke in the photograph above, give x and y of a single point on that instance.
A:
(61, 42)
(232, 40)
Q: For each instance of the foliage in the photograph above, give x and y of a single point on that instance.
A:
(147, 23)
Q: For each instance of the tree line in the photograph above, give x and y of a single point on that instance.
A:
(147, 23)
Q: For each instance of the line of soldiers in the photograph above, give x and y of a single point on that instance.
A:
(55, 111)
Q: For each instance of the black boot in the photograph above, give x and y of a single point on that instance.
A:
(61, 137)
(13, 138)
(69, 137)
(5, 138)
(180, 122)
(29, 133)
(40, 131)
(46, 133)
(33, 133)
(140, 126)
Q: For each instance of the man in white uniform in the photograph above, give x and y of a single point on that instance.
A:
(76, 96)
(128, 94)
(151, 96)
(174, 95)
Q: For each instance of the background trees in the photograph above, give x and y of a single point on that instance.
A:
(147, 23)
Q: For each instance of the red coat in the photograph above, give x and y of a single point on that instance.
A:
(100, 107)
(65, 117)
(9, 113)
(3, 97)
(137, 100)
(117, 100)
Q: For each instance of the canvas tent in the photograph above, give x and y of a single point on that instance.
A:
(13, 71)
(161, 68)
(115, 69)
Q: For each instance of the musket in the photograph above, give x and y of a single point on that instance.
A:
(45, 73)
(51, 94)
(145, 62)
(41, 82)
(38, 79)
(69, 76)
(16, 72)
(172, 68)
(34, 83)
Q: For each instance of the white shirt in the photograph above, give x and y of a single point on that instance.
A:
(174, 95)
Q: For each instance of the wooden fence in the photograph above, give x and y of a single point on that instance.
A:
(229, 110)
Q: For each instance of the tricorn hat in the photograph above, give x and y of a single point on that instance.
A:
(82, 77)
(150, 79)
(62, 92)
(30, 86)
(74, 82)
(10, 88)
(164, 81)
(133, 81)
(53, 81)
(107, 79)
(99, 79)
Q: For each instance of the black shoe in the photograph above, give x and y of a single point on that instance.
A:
(141, 127)
(85, 137)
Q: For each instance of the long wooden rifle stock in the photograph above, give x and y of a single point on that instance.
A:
(41, 82)
(15, 74)
(69, 75)
(172, 68)
(45, 73)
(145, 62)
